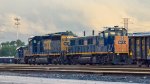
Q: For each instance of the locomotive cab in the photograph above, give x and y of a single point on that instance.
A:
(118, 38)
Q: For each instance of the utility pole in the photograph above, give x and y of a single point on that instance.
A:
(17, 23)
(126, 23)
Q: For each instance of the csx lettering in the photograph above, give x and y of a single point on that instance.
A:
(121, 42)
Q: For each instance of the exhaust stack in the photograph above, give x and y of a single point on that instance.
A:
(93, 32)
(84, 33)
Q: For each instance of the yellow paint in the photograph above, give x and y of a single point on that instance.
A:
(64, 41)
(121, 47)
(43, 55)
(121, 52)
(131, 54)
(47, 44)
(85, 53)
(88, 53)
(149, 52)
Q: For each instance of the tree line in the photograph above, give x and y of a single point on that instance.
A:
(9, 48)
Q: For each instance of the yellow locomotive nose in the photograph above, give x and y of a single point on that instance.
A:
(121, 44)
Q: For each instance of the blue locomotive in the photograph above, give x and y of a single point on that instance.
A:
(108, 47)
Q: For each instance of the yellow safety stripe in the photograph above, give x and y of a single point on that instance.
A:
(86, 53)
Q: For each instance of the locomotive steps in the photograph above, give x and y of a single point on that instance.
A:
(117, 69)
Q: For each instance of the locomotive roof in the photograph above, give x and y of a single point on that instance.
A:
(70, 33)
(85, 37)
(48, 36)
(67, 33)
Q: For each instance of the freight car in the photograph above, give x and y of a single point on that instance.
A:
(139, 48)
(108, 47)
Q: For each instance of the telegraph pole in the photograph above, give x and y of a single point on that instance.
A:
(17, 23)
(126, 23)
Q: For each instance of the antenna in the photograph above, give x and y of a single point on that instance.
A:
(17, 23)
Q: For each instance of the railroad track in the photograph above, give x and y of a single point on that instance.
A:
(78, 69)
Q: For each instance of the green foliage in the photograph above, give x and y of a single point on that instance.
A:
(9, 48)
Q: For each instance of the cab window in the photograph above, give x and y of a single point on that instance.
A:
(118, 34)
(90, 41)
(34, 41)
(112, 33)
(101, 35)
(81, 42)
(106, 35)
(124, 33)
(72, 42)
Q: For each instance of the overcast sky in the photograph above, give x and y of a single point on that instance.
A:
(46, 16)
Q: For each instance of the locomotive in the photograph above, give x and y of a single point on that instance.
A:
(110, 46)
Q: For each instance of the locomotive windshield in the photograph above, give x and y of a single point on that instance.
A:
(72, 42)
(81, 42)
(112, 33)
(106, 35)
(115, 31)
(90, 41)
